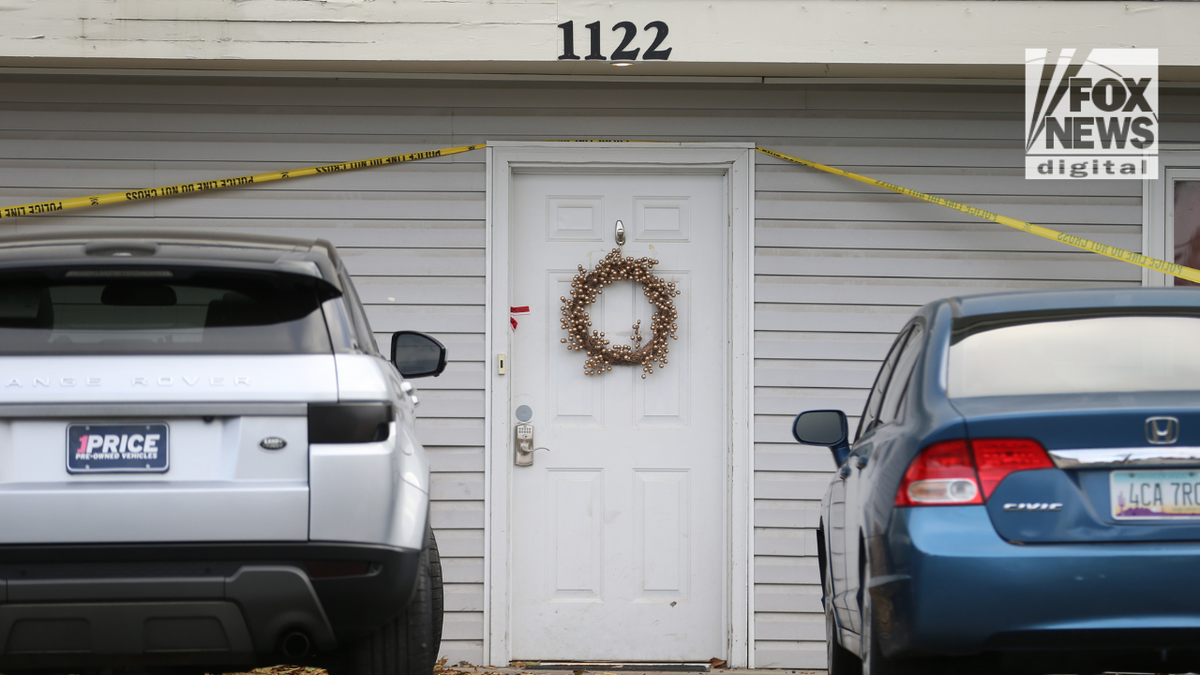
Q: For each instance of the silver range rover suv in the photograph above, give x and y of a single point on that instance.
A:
(206, 463)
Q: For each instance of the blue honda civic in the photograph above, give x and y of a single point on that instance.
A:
(1023, 494)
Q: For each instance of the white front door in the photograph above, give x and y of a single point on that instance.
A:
(618, 547)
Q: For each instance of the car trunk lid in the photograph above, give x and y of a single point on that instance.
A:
(1127, 466)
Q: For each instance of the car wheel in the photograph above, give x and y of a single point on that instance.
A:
(406, 645)
(839, 660)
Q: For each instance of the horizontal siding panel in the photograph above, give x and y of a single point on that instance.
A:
(783, 541)
(451, 403)
(462, 625)
(463, 485)
(905, 292)
(461, 570)
(211, 118)
(426, 262)
(781, 626)
(462, 652)
(979, 236)
(831, 318)
(1067, 266)
(427, 318)
(789, 485)
(819, 346)
(793, 401)
(464, 597)
(457, 515)
(449, 431)
(787, 585)
(789, 455)
(461, 543)
(282, 151)
(416, 290)
(777, 654)
(834, 374)
(772, 513)
(448, 459)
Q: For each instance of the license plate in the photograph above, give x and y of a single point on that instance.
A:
(93, 448)
(1155, 494)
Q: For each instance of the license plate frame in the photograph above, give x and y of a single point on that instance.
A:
(126, 454)
(1172, 494)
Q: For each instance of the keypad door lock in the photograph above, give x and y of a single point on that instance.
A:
(524, 456)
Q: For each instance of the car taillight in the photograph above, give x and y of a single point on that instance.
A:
(966, 472)
(997, 457)
(940, 474)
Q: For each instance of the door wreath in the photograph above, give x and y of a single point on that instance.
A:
(587, 286)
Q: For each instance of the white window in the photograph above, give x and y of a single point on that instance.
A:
(1172, 214)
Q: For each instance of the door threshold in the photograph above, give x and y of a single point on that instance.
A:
(609, 666)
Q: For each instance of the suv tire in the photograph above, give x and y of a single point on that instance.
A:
(409, 643)
(438, 594)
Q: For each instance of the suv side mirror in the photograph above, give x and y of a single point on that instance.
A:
(417, 355)
(824, 427)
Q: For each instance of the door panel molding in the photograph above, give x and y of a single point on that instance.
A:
(734, 160)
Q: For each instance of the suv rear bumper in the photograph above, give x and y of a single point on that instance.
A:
(220, 604)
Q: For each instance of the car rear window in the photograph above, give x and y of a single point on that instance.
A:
(1099, 354)
(178, 310)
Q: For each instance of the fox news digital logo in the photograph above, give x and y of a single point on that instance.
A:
(1091, 113)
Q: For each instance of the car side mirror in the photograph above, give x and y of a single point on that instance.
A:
(824, 427)
(417, 355)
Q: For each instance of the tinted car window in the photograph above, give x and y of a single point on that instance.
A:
(1088, 355)
(889, 410)
(875, 400)
(161, 311)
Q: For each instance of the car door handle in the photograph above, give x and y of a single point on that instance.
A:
(844, 472)
(861, 463)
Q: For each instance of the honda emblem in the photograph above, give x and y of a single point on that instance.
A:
(1162, 430)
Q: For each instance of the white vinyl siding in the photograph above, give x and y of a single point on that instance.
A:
(839, 265)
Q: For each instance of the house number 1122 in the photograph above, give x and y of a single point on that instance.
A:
(622, 53)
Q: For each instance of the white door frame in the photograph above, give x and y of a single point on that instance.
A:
(734, 159)
(1176, 160)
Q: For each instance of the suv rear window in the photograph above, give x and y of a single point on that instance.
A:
(177, 310)
(1099, 354)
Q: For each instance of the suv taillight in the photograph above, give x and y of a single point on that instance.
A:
(966, 472)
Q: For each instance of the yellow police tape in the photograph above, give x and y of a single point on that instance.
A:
(1138, 259)
(1121, 254)
(201, 186)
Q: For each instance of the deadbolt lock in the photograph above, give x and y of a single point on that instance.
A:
(524, 455)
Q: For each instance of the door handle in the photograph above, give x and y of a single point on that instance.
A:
(844, 472)
(524, 448)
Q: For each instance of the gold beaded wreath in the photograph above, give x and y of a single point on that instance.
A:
(586, 286)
